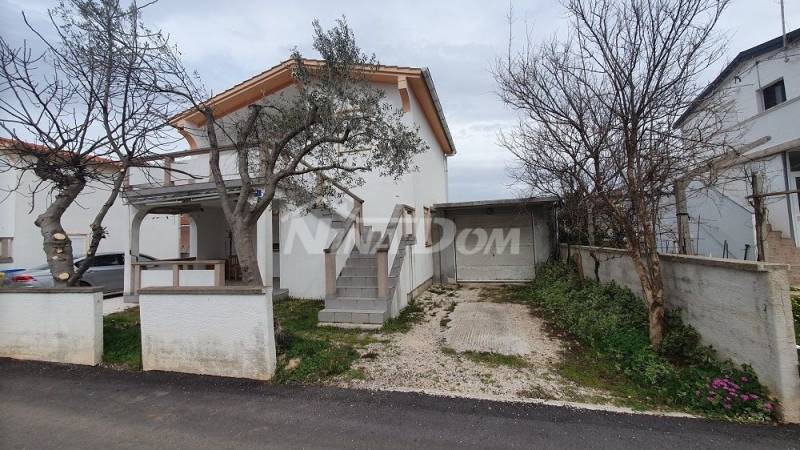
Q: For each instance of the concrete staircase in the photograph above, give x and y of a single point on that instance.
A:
(781, 249)
(356, 300)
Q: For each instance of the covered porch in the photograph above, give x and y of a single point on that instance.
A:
(207, 255)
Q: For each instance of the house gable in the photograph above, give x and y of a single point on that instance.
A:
(409, 81)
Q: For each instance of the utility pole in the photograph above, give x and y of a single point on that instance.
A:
(783, 25)
(760, 212)
(682, 216)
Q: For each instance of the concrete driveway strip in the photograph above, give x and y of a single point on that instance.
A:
(489, 327)
(51, 406)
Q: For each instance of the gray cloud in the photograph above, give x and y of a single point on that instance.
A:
(229, 41)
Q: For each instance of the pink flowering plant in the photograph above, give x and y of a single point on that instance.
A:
(736, 396)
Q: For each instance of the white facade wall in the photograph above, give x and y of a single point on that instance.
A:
(749, 122)
(303, 239)
(8, 204)
(424, 187)
(18, 211)
(211, 332)
(56, 325)
(302, 263)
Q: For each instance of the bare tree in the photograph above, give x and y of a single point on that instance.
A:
(332, 122)
(597, 113)
(82, 111)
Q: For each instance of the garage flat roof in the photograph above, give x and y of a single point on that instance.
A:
(502, 202)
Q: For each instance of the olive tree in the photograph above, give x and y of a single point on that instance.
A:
(331, 122)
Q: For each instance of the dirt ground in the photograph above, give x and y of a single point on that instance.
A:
(422, 360)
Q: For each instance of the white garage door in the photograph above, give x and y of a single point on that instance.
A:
(494, 247)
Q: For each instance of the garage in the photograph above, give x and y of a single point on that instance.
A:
(492, 241)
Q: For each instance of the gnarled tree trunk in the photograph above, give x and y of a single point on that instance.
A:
(56, 243)
(244, 241)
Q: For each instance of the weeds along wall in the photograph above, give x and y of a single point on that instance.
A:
(741, 308)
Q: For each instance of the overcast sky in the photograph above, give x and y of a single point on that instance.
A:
(231, 40)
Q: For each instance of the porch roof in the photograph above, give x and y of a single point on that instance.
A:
(179, 194)
(498, 203)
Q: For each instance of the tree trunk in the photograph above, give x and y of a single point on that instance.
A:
(244, 241)
(55, 241)
(649, 271)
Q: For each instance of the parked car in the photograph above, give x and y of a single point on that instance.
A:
(107, 271)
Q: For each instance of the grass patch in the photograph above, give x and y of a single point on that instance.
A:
(612, 323)
(592, 370)
(298, 317)
(489, 358)
(122, 340)
(410, 315)
(313, 353)
(496, 359)
(317, 360)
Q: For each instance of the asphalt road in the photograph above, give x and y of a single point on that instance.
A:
(55, 406)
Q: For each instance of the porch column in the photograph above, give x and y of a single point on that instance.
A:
(135, 218)
(264, 246)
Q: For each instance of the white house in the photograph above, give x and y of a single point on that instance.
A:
(312, 255)
(21, 241)
(763, 85)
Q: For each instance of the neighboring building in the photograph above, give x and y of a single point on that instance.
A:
(763, 84)
(21, 241)
(316, 254)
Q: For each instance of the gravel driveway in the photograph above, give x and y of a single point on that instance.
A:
(440, 354)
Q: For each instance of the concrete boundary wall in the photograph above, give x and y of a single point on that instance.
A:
(741, 308)
(225, 331)
(54, 325)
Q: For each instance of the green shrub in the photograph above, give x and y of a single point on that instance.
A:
(614, 323)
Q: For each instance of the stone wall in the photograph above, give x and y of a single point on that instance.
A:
(225, 331)
(741, 308)
(56, 325)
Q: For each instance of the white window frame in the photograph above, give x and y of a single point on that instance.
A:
(760, 92)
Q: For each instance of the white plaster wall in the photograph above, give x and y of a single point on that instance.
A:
(212, 233)
(741, 308)
(200, 277)
(425, 186)
(303, 238)
(160, 236)
(302, 271)
(56, 327)
(156, 278)
(16, 215)
(7, 202)
(750, 122)
(223, 334)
